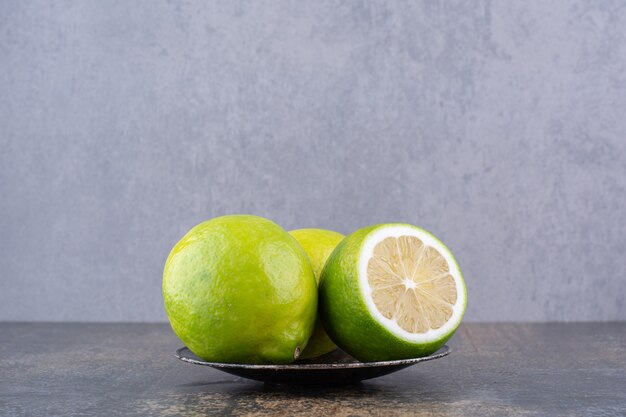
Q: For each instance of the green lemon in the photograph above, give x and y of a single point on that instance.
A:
(240, 289)
(391, 291)
(318, 245)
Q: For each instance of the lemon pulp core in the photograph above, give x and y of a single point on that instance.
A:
(411, 284)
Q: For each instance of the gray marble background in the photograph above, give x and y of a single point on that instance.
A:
(500, 127)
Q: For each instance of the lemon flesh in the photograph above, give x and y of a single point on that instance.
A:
(411, 284)
(318, 245)
(240, 289)
(400, 284)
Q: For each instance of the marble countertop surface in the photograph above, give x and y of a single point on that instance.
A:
(84, 369)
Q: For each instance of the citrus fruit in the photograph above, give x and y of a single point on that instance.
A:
(391, 291)
(240, 289)
(318, 245)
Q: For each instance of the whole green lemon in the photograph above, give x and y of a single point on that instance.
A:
(240, 289)
(318, 245)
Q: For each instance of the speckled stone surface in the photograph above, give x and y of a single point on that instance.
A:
(576, 369)
(498, 125)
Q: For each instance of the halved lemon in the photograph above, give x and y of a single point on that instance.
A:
(391, 291)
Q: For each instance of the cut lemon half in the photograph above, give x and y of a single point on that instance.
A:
(391, 291)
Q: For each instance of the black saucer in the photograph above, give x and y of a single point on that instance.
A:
(334, 368)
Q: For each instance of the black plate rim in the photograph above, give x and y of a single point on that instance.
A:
(443, 351)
